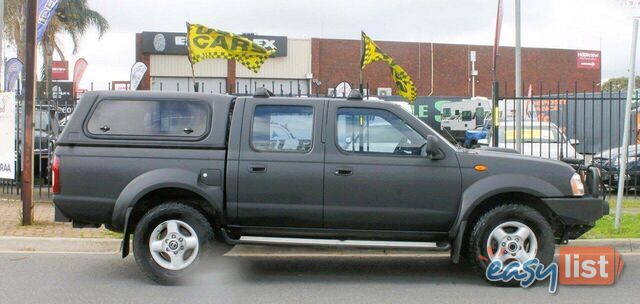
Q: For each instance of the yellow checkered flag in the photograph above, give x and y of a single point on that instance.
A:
(207, 43)
(372, 53)
(403, 81)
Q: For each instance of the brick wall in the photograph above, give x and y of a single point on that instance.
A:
(336, 60)
(145, 83)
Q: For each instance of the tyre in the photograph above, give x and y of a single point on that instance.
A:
(169, 240)
(510, 233)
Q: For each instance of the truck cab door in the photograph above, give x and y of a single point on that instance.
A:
(281, 163)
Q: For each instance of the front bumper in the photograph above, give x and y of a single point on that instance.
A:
(574, 211)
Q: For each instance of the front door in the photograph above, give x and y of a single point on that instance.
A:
(375, 178)
(280, 169)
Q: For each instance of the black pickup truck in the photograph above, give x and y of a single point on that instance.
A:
(177, 169)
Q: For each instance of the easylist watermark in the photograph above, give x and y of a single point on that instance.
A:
(576, 266)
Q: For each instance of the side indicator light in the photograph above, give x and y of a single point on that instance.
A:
(480, 168)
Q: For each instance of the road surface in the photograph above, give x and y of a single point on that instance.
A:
(106, 278)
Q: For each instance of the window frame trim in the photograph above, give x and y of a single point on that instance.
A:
(313, 123)
(151, 138)
(345, 152)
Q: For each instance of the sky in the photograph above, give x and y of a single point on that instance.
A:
(604, 25)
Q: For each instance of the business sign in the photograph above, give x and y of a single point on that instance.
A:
(137, 72)
(588, 60)
(176, 43)
(7, 135)
(61, 92)
(46, 10)
(60, 70)
(12, 70)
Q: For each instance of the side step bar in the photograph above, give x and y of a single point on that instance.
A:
(259, 240)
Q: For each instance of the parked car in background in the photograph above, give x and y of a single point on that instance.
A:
(541, 139)
(44, 136)
(609, 164)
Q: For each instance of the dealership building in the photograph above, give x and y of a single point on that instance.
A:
(331, 66)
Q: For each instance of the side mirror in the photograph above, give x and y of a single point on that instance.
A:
(574, 142)
(431, 148)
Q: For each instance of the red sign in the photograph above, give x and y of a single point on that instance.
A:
(588, 60)
(589, 265)
(60, 70)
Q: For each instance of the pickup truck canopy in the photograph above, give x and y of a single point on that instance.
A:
(137, 118)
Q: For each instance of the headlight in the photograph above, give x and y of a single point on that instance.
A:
(577, 187)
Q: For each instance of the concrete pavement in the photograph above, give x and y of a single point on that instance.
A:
(106, 278)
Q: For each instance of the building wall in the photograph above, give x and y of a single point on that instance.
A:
(336, 60)
(296, 65)
(436, 69)
(179, 66)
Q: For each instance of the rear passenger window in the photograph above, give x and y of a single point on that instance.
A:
(153, 118)
(282, 128)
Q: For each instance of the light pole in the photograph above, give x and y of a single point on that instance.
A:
(518, 64)
(627, 122)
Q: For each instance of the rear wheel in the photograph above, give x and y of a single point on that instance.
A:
(169, 240)
(510, 233)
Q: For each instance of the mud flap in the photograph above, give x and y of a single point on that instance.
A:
(457, 243)
(125, 244)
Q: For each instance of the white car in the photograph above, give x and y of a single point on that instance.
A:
(542, 139)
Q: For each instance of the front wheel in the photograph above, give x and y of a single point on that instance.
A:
(510, 233)
(169, 240)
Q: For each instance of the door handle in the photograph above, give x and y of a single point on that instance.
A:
(343, 171)
(257, 168)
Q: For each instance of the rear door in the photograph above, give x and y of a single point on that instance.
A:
(280, 173)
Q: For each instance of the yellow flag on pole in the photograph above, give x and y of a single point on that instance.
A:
(372, 53)
(207, 43)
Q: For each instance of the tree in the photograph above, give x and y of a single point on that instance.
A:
(618, 84)
(73, 17)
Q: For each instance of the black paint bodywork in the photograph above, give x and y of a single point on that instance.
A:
(300, 194)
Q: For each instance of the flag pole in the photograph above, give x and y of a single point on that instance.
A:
(361, 61)
(495, 85)
(193, 71)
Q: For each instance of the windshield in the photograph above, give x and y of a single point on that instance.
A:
(535, 134)
(42, 120)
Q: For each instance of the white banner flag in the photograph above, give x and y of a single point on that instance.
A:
(137, 71)
(7, 135)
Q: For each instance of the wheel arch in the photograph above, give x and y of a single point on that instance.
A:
(477, 199)
(166, 185)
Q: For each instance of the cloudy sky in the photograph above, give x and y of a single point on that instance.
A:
(576, 24)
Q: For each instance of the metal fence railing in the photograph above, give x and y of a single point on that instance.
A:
(48, 117)
(556, 124)
(586, 126)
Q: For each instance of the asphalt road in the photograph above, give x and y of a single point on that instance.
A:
(106, 278)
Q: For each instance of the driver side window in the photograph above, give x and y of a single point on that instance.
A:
(362, 130)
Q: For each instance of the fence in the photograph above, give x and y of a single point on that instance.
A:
(556, 124)
(575, 124)
(49, 118)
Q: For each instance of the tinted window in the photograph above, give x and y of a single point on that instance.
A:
(42, 120)
(466, 115)
(376, 131)
(282, 128)
(446, 112)
(156, 118)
